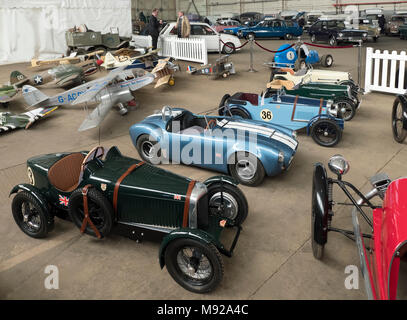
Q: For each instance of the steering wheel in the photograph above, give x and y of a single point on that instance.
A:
(208, 123)
(164, 111)
(95, 153)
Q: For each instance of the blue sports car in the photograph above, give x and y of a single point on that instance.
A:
(322, 119)
(246, 149)
(269, 28)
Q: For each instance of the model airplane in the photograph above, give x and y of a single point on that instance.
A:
(10, 121)
(222, 68)
(114, 89)
(61, 75)
(164, 72)
(73, 58)
(6, 94)
(130, 59)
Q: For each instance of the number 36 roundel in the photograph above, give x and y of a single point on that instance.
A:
(266, 115)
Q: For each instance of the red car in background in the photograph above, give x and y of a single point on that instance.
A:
(220, 25)
(382, 251)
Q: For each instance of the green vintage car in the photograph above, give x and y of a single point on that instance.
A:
(341, 95)
(101, 195)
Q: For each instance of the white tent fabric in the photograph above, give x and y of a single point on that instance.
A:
(36, 28)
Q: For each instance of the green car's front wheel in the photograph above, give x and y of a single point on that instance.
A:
(347, 108)
(228, 201)
(196, 266)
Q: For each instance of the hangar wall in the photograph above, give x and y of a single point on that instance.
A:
(213, 7)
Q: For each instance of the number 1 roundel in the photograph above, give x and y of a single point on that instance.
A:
(266, 115)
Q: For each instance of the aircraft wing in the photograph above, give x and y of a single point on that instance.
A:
(98, 86)
(7, 97)
(66, 80)
(93, 119)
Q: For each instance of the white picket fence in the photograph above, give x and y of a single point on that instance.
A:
(184, 49)
(377, 76)
(194, 50)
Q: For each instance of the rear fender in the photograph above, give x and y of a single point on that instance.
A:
(34, 191)
(195, 234)
(231, 107)
(403, 101)
(340, 122)
(320, 204)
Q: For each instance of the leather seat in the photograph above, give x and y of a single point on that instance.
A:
(64, 174)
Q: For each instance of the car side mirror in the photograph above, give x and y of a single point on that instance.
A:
(338, 165)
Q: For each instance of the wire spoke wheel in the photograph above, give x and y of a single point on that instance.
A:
(194, 264)
(326, 132)
(347, 109)
(30, 217)
(398, 118)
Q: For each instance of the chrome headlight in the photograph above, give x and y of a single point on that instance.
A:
(281, 157)
(332, 108)
(349, 76)
(295, 135)
(340, 34)
(364, 35)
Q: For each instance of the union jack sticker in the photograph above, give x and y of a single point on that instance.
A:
(64, 200)
(177, 197)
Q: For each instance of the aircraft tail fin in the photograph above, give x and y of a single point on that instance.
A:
(33, 96)
(191, 69)
(17, 78)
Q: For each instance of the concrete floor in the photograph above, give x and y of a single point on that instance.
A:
(273, 258)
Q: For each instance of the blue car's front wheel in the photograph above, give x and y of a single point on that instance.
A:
(326, 132)
(246, 168)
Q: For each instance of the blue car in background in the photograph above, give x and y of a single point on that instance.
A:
(321, 118)
(269, 28)
(219, 143)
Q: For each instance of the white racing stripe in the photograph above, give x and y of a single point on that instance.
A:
(273, 134)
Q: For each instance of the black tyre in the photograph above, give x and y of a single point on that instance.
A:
(196, 266)
(246, 168)
(149, 149)
(99, 208)
(228, 201)
(101, 49)
(327, 60)
(375, 39)
(221, 109)
(326, 132)
(29, 215)
(229, 48)
(313, 38)
(332, 41)
(317, 249)
(399, 133)
(236, 112)
(347, 108)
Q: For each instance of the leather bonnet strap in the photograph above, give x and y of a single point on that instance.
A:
(87, 219)
(120, 180)
(186, 205)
